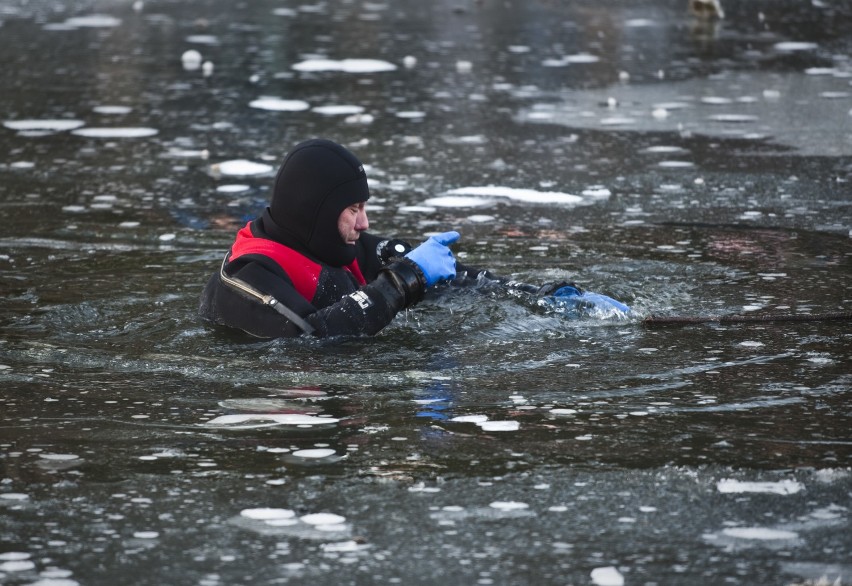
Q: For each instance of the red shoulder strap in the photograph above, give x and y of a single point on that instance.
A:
(302, 271)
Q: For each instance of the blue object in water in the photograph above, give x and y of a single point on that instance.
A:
(569, 297)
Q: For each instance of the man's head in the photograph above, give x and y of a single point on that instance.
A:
(316, 185)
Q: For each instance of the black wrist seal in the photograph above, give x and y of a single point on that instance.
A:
(408, 278)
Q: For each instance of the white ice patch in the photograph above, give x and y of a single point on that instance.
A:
(47, 125)
(318, 519)
(266, 514)
(233, 188)
(470, 419)
(112, 110)
(751, 344)
(93, 21)
(607, 576)
(14, 496)
(784, 487)
(515, 194)
(315, 453)
(344, 65)
(116, 132)
(500, 425)
(146, 534)
(17, 566)
(509, 506)
(278, 104)
(789, 46)
(338, 110)
(241, 168)
(257, 420)
(761, 533)
(458, 202)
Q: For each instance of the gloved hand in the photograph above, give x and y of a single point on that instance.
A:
(559, 289)
(434, 258)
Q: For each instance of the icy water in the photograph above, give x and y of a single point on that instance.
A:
(686, 168)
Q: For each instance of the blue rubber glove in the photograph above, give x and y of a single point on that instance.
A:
(435, 259)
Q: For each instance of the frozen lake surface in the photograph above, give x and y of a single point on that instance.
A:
(687, 168)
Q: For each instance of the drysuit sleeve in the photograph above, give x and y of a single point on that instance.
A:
(364, 311)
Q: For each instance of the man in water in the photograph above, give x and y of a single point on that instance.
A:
(308, 266)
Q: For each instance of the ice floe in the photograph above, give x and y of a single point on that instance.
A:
(279, 104)
(257, 420)
(112, 110)
(782, 487)
(607, 576)
(240, 168)
(49, 125)
(344, 65)
(760, 533)
(116, 132)
(517, 194)
(338, 110)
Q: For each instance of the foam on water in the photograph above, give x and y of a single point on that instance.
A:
(279, 104)
(116, 132)
(344, 65)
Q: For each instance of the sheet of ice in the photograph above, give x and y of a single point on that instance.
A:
(93, 21)
(458, 202)
(508, 425)
(338, 110)
(607, 576)
(279, 104)
(265, 514)
(256, 420)
(344, 65)
(509, 505)
(233, 188)
(731, 486)
(759, 533)
(112, 110)
(241, 168)
(203, 39)
(315, 453)
(516, 194)
(789, 46)
(116, 132)
(17, 566)
(51, 125)
(317, 519)
(470, 418)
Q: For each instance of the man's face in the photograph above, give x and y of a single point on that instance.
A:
(353, 221)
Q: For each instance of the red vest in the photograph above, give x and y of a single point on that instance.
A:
(303, 271)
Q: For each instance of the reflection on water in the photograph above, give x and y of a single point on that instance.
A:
(482, 437)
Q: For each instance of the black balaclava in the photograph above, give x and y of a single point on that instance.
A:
(318, 180)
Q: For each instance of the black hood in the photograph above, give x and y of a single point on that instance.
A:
(318, 180)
